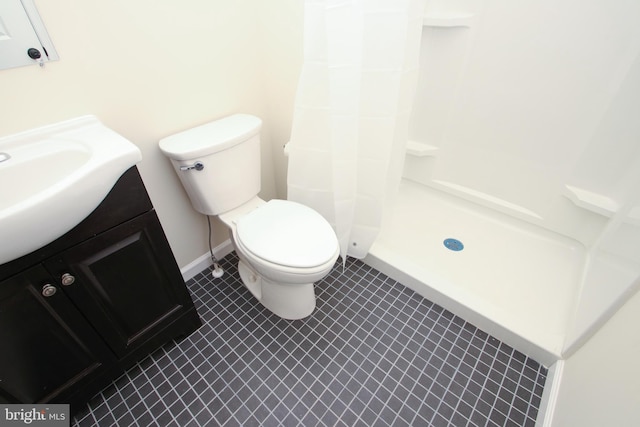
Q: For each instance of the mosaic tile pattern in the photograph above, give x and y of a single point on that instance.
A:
(374, 353)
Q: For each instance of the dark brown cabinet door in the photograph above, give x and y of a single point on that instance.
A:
(126, 283)
(48, 352)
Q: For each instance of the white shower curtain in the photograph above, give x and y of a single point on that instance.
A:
(352, 110)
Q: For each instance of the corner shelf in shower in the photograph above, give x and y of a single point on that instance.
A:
(462, 20)
(420, 149)
(591, 201)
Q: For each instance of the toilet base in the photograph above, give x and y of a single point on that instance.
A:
(291, 302)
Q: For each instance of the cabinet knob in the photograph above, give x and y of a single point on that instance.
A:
(67, 279)
(49, 290)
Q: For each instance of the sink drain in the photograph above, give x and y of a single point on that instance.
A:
(453, 244)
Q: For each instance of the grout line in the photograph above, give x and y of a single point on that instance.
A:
(373, 352)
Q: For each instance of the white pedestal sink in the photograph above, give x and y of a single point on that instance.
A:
(53, 177)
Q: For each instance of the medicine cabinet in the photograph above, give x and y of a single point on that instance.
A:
(23, 37)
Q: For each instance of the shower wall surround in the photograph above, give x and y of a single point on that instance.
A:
(531, 111)
(523, 109)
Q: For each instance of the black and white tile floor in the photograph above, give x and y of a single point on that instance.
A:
(374, 353)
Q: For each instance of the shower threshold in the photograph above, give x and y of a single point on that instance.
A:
(514, 280)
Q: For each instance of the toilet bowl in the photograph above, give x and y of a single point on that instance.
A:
(283, 246)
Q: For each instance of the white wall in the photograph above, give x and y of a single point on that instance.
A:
(600, 385)
(526, 99)
(610, 165)
(147, 69)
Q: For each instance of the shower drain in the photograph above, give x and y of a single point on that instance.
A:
(453, 244)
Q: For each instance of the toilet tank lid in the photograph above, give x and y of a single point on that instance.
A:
(211, 137)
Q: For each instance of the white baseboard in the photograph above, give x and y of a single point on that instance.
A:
(550, 395)
(204, 261)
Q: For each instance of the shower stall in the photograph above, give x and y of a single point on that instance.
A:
(524, 147)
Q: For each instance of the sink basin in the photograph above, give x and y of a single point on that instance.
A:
(53, 177)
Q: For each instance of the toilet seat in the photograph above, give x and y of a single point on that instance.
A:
(287, 234)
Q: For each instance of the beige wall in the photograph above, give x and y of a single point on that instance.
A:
(149, 68)
(282, 30)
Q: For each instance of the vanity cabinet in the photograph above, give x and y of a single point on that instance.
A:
(78, 312)
(48, 348)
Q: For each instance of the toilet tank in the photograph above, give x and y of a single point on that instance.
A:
(229, 150)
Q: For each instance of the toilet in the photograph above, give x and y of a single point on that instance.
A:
(283, 246)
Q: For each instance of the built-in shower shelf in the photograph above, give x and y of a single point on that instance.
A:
(449, 21)
(420, 149)
(485, 199)
(591, 201)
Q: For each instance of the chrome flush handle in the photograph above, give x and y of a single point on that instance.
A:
(197, 166)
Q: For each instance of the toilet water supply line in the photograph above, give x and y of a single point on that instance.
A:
(217, 270)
